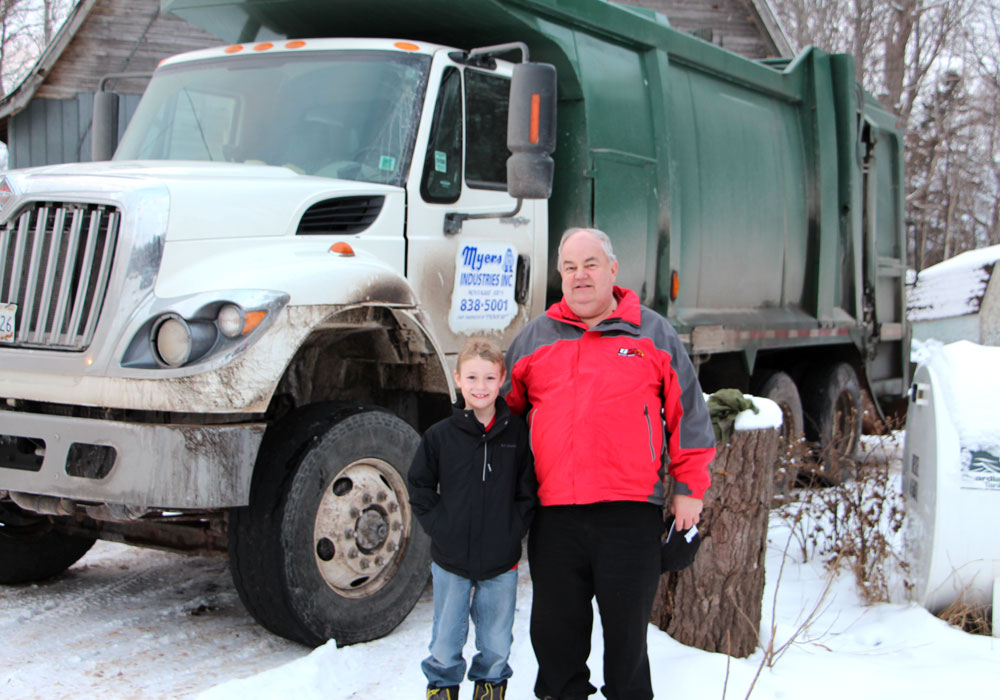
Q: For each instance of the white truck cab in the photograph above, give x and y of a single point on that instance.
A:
(229, 335)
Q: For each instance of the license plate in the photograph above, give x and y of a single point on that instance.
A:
(8, 317)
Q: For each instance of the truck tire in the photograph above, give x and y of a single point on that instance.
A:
(780, 388)
(833, 420)
(328, 548)
(32, 550)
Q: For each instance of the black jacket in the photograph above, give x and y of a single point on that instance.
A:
(474, 492)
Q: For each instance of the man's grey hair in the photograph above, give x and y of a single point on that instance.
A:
(597, 233)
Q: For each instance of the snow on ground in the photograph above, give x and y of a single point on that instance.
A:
(127, 623)
(847, 650)
(130, 623)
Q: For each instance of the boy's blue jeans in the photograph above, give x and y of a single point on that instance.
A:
(492, 610)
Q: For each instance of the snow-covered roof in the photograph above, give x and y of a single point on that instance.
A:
(954, 287)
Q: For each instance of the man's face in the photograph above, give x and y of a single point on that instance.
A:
(588, 278)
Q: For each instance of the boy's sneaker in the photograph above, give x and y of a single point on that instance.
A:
(490, 691)
(449, 692)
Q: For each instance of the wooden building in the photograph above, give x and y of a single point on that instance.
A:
(747, 27)
(46, 119)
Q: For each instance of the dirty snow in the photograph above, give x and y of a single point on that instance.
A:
(130, 623)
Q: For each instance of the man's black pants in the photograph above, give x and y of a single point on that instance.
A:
(607, 550)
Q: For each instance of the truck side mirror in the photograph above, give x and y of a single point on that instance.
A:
(531, 131)
(104, 130)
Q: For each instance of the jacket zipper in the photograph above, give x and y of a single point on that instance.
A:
(482, 504)
(485, 462)
(649, 427)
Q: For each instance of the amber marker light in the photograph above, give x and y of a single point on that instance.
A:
(252, 319)
(341, 248)
(406, 46)
(263, 46)
(298, 44)
(536, 108)
(235, 48)
(675, 285)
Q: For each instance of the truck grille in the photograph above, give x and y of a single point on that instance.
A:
(55, 262)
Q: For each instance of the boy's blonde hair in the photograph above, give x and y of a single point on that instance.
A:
(482, 347)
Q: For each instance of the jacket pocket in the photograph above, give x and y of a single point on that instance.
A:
(649, 429)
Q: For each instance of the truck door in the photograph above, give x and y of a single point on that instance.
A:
(884, 261)
(474, 275)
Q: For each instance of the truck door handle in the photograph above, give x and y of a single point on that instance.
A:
(521, 279)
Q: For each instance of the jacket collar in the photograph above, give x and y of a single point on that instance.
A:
(466, 419)
(627, 316)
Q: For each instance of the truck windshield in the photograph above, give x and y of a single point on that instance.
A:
(342, 114)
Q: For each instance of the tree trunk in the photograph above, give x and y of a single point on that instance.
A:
(715, 604)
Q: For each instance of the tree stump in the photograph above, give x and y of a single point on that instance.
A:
(715, 604)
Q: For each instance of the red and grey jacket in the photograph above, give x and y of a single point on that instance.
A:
(606, 405)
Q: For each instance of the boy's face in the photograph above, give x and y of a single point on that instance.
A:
(480, 381)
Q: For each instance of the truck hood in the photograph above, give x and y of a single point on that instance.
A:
(207, 200)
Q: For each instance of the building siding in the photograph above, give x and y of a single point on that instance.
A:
(120, 36)
(732, 24)
(52, 131)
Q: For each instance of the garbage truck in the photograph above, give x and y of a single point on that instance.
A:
(228, 332)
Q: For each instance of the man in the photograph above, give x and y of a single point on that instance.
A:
(603, 382)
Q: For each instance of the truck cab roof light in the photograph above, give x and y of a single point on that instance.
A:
(406, 46)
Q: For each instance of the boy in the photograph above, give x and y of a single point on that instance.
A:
(472, 487)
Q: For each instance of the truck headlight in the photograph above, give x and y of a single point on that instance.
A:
(230, 320)
(176, 341)
(191, 331)
(171, 339)
(233, 321)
